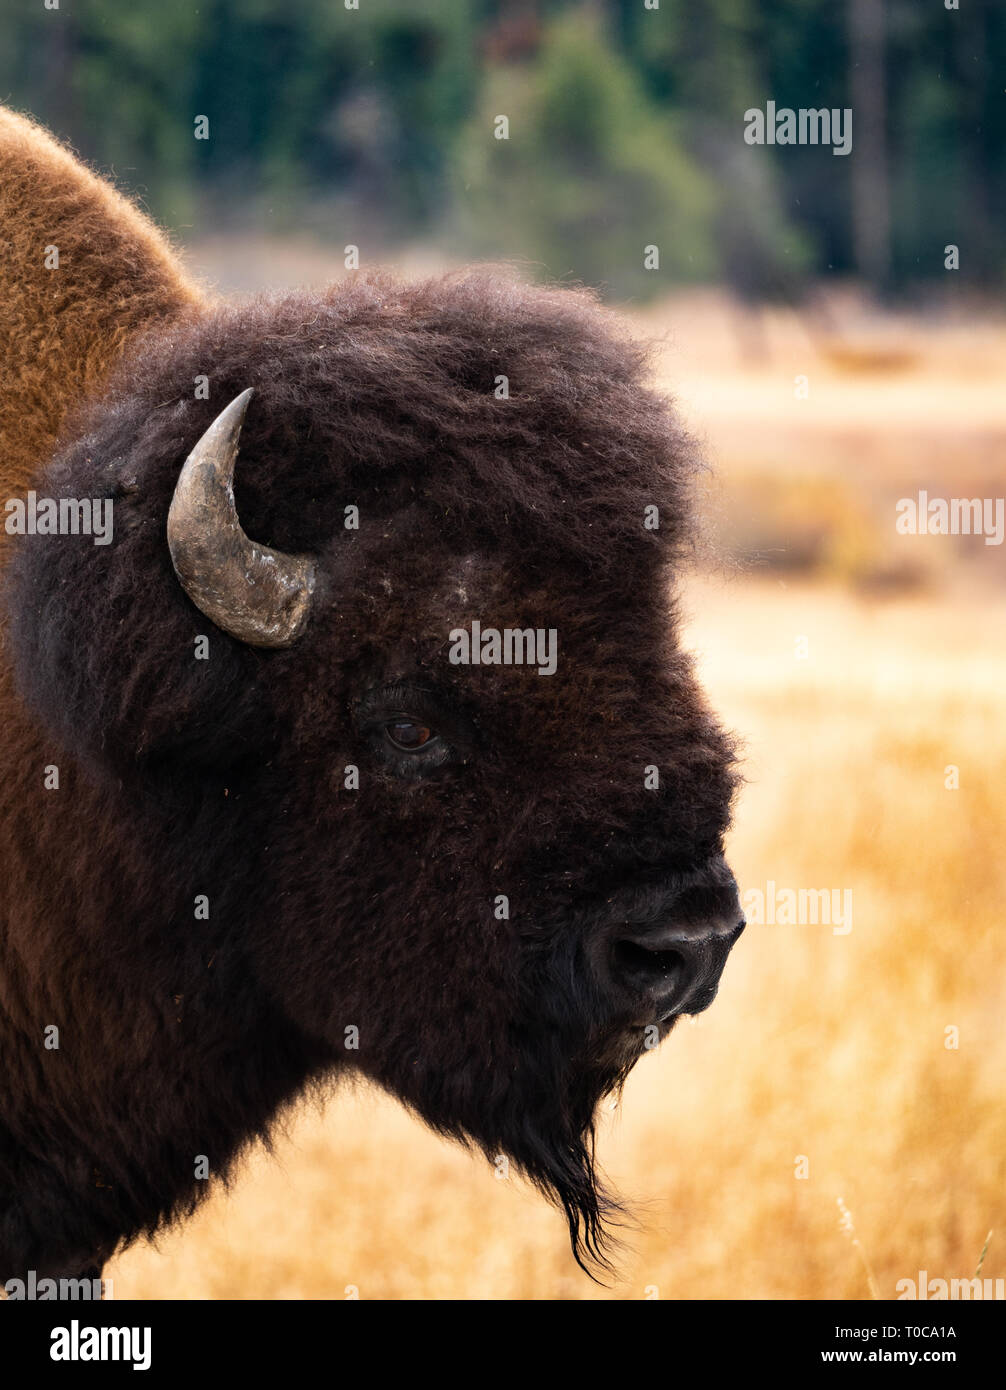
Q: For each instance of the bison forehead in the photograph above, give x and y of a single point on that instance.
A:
(403, 603)
(462, 578)
(386, 397)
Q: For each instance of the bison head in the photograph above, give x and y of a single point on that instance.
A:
(488, 883)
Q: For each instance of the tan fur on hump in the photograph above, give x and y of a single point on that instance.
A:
(62, 330)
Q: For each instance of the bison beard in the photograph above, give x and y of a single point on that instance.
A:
(542, 1120)
(338, 911)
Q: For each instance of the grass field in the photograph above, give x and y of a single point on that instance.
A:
(825, 1054)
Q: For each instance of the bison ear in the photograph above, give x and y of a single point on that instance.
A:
(258, 595)
(111, 665)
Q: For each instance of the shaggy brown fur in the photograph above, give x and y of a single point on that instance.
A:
(61, 330)
(334, 908)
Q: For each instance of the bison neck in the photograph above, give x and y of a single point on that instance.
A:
(139, 1053)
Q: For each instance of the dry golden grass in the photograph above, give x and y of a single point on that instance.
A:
(818, 434)
(820, 1045)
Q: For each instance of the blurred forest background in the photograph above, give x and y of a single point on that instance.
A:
(374, 125)
(831, 365)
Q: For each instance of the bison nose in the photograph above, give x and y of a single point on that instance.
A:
(658, 947)
(673, 969)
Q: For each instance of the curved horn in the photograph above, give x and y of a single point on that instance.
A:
(258, 595)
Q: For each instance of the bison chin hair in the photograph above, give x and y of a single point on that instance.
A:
(554, 1149)
(538, 1109)
(552, 1145)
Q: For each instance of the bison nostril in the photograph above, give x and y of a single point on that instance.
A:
(649, 968)
(672, 970)
(663, 953)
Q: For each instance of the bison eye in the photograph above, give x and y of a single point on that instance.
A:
(413, 730)
(408, 734)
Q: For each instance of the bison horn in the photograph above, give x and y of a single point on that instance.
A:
(258, 595)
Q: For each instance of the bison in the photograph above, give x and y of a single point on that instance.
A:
(287, 788)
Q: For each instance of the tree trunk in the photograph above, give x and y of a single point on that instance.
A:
(871, 211)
